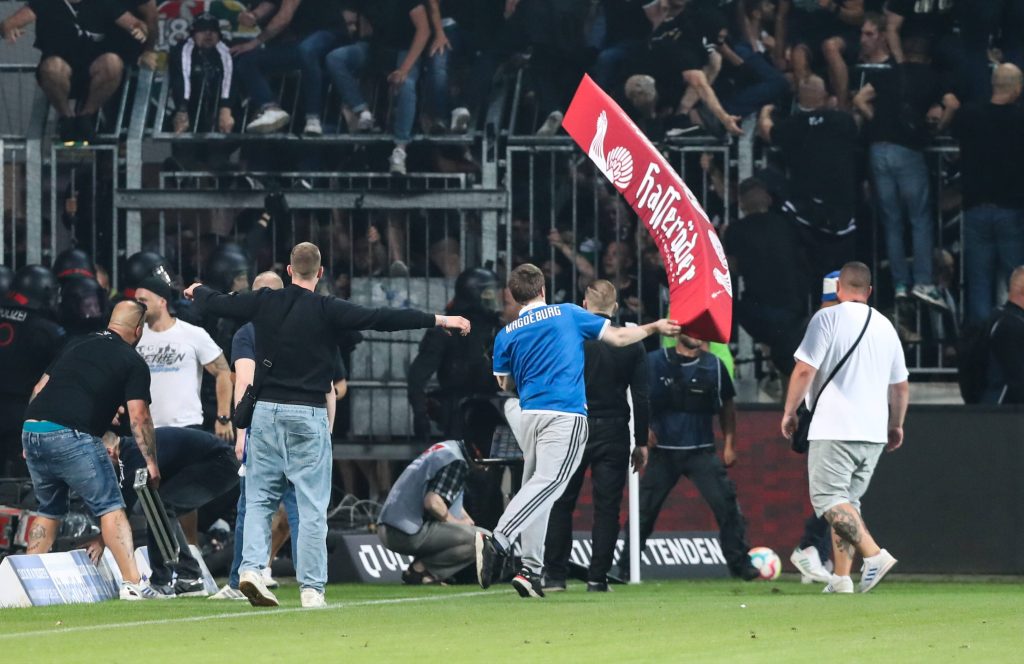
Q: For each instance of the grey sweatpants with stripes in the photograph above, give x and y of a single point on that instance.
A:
(552, 445)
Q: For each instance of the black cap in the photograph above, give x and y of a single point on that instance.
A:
(158, 286)
(206, 21)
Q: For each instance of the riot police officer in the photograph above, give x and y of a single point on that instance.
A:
(29, 342)
(73, 262)
(688, 387)
(462, 364)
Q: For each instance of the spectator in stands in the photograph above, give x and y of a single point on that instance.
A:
(630, 24)
(1006, 362)
(930, 20)
(398, 31)
(200, 71)
(684, 59)
(828, 27)
(132, 50)
(298, 35)
(78, 56)
(819, 147)
(763, 249)
(992, 165)
(748, 79)
(894, 103)
(438, 56)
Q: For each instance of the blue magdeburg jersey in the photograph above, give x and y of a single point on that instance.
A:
(543, 352)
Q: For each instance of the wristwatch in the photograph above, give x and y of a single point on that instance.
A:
(223, 419)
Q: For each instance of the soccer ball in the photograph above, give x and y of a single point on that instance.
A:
(766, 561)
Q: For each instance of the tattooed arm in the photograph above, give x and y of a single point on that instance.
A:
(145, 438)
(222, 372)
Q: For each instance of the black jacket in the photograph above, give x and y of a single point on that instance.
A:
(307, 341)
(609, 372)
(1007, 359)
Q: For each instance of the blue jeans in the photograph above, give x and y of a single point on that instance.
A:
(768, 88)
(306, 55)
(993, 244)
(900, 177)
(345, 66)
(288, 443)
(67, 460)
(290, 508)
(436, 67)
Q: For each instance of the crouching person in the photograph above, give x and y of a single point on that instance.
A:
(423, 515)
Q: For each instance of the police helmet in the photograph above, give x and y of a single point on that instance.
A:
(6, 279)
(84, 305)
(477, 288)
(73, 262)
(34, 287)
(227, 263)
(141, 265)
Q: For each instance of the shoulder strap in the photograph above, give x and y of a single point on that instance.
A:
(263, 368)
(843, 361)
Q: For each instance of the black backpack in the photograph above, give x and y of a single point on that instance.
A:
(973, 353)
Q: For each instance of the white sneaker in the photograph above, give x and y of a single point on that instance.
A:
(808, 561)
(227, 592)
(133, 592)
(313, 127)
(397, 161)
(252, 586)
(551, 125)
(874, 568)
(268, 578)
(840, 585)
(269, 120)
(460, 120)
(312, 599)
(365, 121)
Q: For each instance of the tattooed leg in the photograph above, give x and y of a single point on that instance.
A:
(850, 536)
(117, 535)
(42, 534)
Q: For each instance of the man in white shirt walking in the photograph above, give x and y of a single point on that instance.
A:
(177, 352)
(859, 413)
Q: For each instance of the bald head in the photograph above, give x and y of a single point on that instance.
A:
(602, 298)
(854, 283)
(1017, 286)
(305, 262)
(268, 279)
(1007, 81)
(812, 93)
(126, 320)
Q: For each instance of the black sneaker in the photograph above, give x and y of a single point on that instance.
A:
(597, 587)
(190, 588)
(554, 585)
(528, 584)
(748, 573)
(489, 558)
(67, 130)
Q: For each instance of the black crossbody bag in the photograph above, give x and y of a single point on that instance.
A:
(246, 406)
(800, 442)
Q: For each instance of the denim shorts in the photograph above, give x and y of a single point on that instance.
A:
(64, 460)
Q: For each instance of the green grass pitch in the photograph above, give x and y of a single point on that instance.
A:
(709, 621)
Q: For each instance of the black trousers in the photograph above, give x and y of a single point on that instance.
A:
(707, 472)
(607, 456)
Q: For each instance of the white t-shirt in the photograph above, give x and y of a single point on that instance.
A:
(176, 357)
(855, 405)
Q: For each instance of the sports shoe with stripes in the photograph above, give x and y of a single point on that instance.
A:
(874, 569)
(808, 561)
(528, 584)
(840, 585)
(488, 559)
(133, 592)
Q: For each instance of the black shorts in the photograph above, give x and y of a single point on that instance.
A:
(80, 59)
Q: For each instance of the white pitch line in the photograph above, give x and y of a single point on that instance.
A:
(254, 613)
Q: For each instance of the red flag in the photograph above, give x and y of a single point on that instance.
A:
(700, 289)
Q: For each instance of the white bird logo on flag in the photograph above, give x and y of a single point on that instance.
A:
(618, 167)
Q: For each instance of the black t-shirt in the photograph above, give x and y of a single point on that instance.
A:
(28, 344)
(89, 380)
(64, 27)
(991, 154)
(176, 448)
(820, 148)
(677, 46)
(393, 28)
(766, 247)
(313, 15)
(627, 21)
(922, 19)
(903, 95)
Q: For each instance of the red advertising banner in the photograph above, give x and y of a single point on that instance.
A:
(700, 289)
